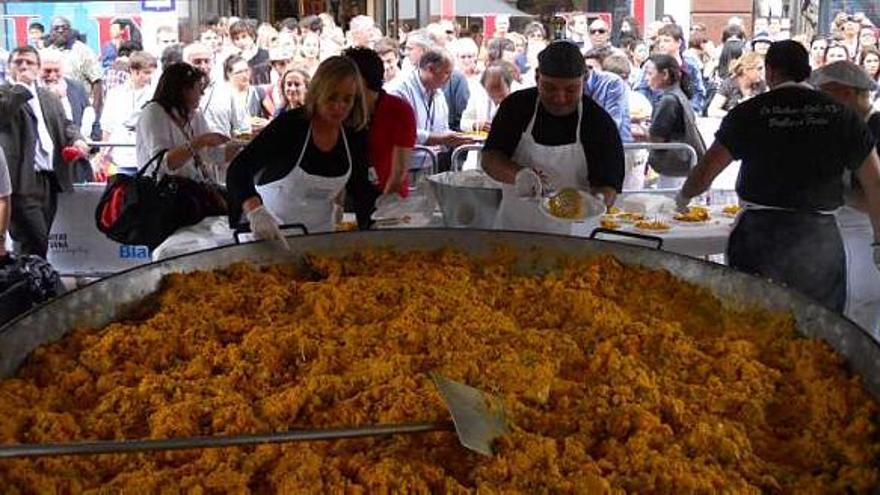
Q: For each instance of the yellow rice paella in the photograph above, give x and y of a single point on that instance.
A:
(616, 379)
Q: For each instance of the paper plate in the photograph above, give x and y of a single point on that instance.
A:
(685, 223)
(594, 208)
(653, 231)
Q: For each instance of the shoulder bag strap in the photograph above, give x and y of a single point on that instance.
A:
(157, 159)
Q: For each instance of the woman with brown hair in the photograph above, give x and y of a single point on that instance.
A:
(248, 97)
(293, 87)
(869, 61)
(673, 120)
(170, 121)
(296, 169)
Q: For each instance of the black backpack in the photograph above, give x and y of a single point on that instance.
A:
(26, 281)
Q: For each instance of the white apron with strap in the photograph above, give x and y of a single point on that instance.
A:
(564, 165)
(304, 198)
(862, 276)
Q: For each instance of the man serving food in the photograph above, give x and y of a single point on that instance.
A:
(551, 138)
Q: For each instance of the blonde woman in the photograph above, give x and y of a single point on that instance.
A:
(306, 158)
(745, 81)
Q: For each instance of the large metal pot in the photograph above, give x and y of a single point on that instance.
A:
(108, 299)
(465, 206)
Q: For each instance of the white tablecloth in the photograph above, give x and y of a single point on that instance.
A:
(692, 240)
(209, 233)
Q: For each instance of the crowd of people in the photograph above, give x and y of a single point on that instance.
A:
(257, 70)
(301, 119)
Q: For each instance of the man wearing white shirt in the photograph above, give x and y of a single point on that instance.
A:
(422, 89)
(417, 43)
(33, 132)
(73, 95)
(209, 37)
(124, 105)
(218, 104)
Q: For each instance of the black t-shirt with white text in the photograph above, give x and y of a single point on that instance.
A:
(602, 145)
(795, 144)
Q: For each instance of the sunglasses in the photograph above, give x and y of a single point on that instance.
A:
(598, 31)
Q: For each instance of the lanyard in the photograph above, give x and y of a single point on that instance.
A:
(427, 101)
(429, 111)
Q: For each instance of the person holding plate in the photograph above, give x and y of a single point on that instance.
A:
(549, 138)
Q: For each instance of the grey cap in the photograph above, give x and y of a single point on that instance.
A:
(561, 59)
(843, 72)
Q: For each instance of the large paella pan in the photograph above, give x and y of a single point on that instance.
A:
(644, 371)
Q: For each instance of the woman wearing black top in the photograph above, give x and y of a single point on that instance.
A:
(673, 120)
(795, 144)
(305, 158)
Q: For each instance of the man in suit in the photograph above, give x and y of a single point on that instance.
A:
(73, 95)
(74, 99)
(33, 132)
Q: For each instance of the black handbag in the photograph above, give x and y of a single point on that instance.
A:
(139, 209)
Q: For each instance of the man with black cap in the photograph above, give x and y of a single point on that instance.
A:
(551, 137)
(795, 144)
(849, 84)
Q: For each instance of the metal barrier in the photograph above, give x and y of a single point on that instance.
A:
(109, 144)
(432, 154)
(456, 164)
(457, 152)
(465, 148)
(662, 147)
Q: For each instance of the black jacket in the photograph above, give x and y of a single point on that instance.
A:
(18, 135)
(273, 153)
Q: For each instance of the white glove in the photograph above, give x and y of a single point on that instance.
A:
(264, 225)
(681, 203)
(528, 183)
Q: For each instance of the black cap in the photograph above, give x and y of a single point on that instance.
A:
(561, 59)
(790, 58)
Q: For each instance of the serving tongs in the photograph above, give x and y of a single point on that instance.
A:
(478, 419)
